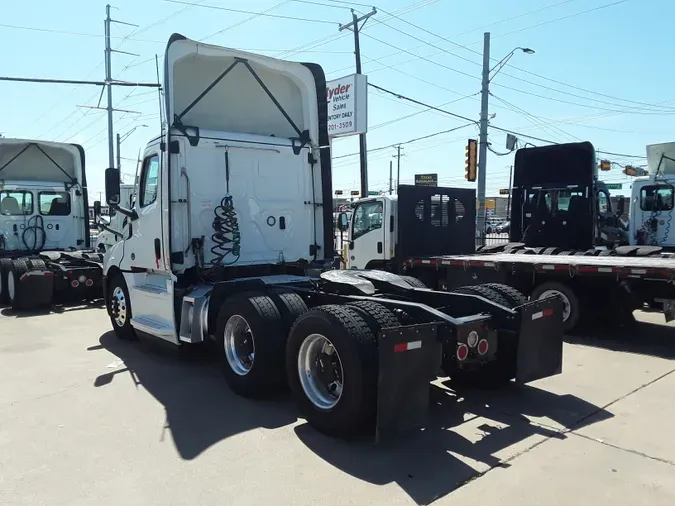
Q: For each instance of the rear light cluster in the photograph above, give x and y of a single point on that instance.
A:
(473, 342)
(82, 280)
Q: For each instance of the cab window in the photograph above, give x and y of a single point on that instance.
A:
(149, 180)
(367, 217)
(603, 203)
(656, 198)
(16, 203)
(54, 203)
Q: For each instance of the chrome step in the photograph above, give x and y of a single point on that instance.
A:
(150, 326)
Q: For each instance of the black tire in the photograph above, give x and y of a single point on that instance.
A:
(572, 301)
(290, 304)
(351, 336)
(486, 293)
(513, 296)
(119, 308)
(378, 316)
(18, 268)
(268, 334)
(5, 265)
(414, 282)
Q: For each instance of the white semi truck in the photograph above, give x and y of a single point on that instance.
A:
(230, 242)
(44, 225)
(566, 239)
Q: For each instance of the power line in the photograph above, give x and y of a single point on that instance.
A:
(239, 11)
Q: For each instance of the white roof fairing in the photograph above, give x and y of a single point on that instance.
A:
(192, 67)
(33, 160)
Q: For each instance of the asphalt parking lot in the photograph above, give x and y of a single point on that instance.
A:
(87, 419)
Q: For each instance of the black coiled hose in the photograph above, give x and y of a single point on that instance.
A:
(226, 236)
(38, 229)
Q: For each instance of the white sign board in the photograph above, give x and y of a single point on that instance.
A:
(347, 105)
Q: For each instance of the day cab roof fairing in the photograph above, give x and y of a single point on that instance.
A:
(219, 89)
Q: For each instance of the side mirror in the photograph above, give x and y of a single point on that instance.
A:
(112, 186)
(343, 222)
(620, 206)
(97, 209)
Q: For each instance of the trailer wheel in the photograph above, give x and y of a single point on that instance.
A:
(331, 361)
(5, 265)
(251, 336)
(486, 293)
(416, 283)
(515, 297)
(376, 315)
(119, 308)
(571, 306)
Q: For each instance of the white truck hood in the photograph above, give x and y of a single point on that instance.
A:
(212, 88)
(33, 160)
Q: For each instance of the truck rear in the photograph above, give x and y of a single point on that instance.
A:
(230, 243)
(44, 225)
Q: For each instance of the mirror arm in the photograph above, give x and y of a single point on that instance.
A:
(108, 229)
(129, 213)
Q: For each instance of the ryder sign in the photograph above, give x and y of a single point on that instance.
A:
(347, 105)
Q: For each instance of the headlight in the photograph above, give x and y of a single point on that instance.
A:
(472, 339)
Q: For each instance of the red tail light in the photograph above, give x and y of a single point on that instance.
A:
(74, 283)
(89, 282)
(462, 352)
(483, 347)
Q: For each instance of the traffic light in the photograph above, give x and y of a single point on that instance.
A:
(504, 192)
(353, 193)
(338, 192)
(605, 165)
(471, 160)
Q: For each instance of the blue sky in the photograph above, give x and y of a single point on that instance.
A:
(602, 72)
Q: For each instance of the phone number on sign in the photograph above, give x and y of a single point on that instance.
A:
(340, 125)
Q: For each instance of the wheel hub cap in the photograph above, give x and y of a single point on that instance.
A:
(567, 307)
(320, 371)
(239, 345)
(119, 306)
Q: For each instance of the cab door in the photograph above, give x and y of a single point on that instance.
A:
(367, 234)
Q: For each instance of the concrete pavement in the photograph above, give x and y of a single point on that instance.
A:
(88, 419)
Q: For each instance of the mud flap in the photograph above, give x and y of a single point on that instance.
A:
(540, 342)
(409, 357)
(34, 290)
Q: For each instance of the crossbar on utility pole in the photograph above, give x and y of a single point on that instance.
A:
(363, 151)
(483, 142)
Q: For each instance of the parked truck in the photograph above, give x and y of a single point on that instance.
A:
(44, 225)
(230, 242)
(566, 239)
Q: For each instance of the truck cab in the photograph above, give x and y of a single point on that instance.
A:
(651, 202)
(558, 200)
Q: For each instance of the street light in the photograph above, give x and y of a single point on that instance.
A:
(121, 138)
(482, 159)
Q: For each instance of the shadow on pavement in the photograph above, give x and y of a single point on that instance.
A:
(462, 440)
(200, 409)
(644, 338)
(58, 309)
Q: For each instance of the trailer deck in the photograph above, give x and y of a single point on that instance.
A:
(630, 267)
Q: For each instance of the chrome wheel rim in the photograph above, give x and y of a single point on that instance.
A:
(320, 371)
(11, 288)
(567, 307)
(239, 345)
(119, 306)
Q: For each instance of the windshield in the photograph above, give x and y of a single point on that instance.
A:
(367, 217)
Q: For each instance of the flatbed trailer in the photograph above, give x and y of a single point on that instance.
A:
(606, 285)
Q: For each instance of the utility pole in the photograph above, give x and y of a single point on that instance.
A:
(398, 166)
(354, 25)
(119, 143)
(508, 199)
(108, 79)
(391, 168)
(483, 141)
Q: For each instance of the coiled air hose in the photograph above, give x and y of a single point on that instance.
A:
(38, 229)
(226, 236)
